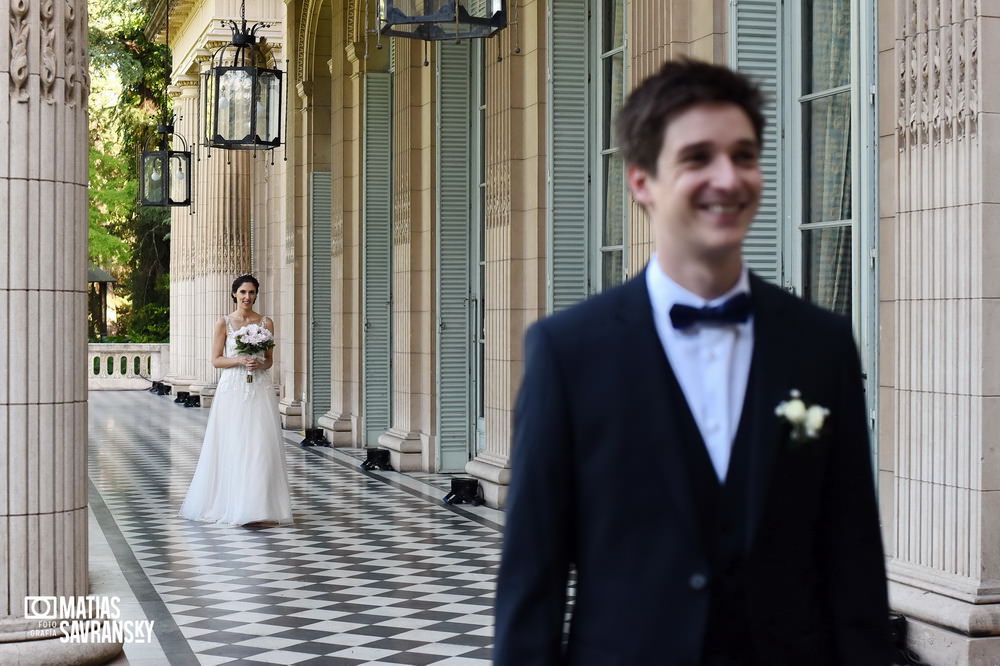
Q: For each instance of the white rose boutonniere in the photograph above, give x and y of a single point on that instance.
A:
(806, 420)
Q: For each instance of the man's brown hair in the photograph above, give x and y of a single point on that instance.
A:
(675, 88)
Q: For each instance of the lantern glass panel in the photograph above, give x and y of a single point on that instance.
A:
(153, 178)
(267, 105)
(208, 112)
(235, 87)
(179, 185)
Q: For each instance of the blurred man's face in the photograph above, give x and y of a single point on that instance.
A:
(707, 185)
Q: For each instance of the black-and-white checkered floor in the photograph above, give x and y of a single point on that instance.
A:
(372, 571)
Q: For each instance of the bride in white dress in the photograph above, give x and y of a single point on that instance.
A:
(241, 478)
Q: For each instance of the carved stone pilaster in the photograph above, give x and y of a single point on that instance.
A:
(70, 59)
(938, 72)
(47, 27)
(43, 298)
(939, 465)
(20, 33)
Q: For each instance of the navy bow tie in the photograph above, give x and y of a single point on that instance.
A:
(734, 311)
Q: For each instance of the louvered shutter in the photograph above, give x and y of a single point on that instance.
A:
(320, 280)
(377, 249)
(568, 157)
(454, 201)
(755, 30)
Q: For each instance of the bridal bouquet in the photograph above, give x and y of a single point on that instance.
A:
(253, 340)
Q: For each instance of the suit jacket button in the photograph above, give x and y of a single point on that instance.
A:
(698, 581)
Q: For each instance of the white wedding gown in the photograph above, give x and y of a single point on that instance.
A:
(241, 475)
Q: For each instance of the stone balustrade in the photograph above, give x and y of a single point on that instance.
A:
(126, 366)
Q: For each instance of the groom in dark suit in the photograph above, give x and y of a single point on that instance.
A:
(693, 443)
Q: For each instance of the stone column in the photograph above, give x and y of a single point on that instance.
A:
(43, 295)
(221, 237)
(515, 232)
(182, 226)
(940, 310)
(340, 422)
(413, 156)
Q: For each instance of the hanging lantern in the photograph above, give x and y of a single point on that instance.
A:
(241, 93)
(164, 173)
(435, 20)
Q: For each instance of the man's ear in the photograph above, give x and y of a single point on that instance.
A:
(638, 182)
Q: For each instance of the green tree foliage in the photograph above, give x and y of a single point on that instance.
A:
(129, 240)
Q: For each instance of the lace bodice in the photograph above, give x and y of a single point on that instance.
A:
(230, 350)
(235, 378)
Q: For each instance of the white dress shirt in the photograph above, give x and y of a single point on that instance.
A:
(711, 362)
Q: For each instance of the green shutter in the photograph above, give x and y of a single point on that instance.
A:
(568, 156)
(454, 201)
(755, 29)
(320, 280)
(377, 252)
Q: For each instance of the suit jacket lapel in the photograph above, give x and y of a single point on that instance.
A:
(654, 380)
(767, 386)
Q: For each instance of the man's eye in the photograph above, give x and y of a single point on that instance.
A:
(746, 157)
(696, 158)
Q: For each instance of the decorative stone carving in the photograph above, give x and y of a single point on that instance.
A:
(304, 90)
(48, 32)
(938, 64)
(69, 22)
(300, 43)
(307, 37)
(401, 218)
(353, 22)
(20, 31)
(498, 195)
(337, 206)
(337, 236)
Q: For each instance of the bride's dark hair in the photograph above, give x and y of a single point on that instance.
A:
(239, 281)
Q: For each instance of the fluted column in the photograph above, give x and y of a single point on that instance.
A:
(939, 366)
(43, 266)
(413, 155)
(182, 225)
(340, 422)
(222, 252)
(515, 233)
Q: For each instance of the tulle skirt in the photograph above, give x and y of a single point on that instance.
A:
(241, 475)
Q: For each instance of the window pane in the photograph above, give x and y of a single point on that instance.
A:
(828, 268)
(614, 92)
(828, 146)
(614, 200)
(614, 24)
(826, 36)
(611, 268)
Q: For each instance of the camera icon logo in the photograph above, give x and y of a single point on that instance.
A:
(40, 608)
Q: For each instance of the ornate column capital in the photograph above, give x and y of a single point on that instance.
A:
(184, 87)
(304, 89)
